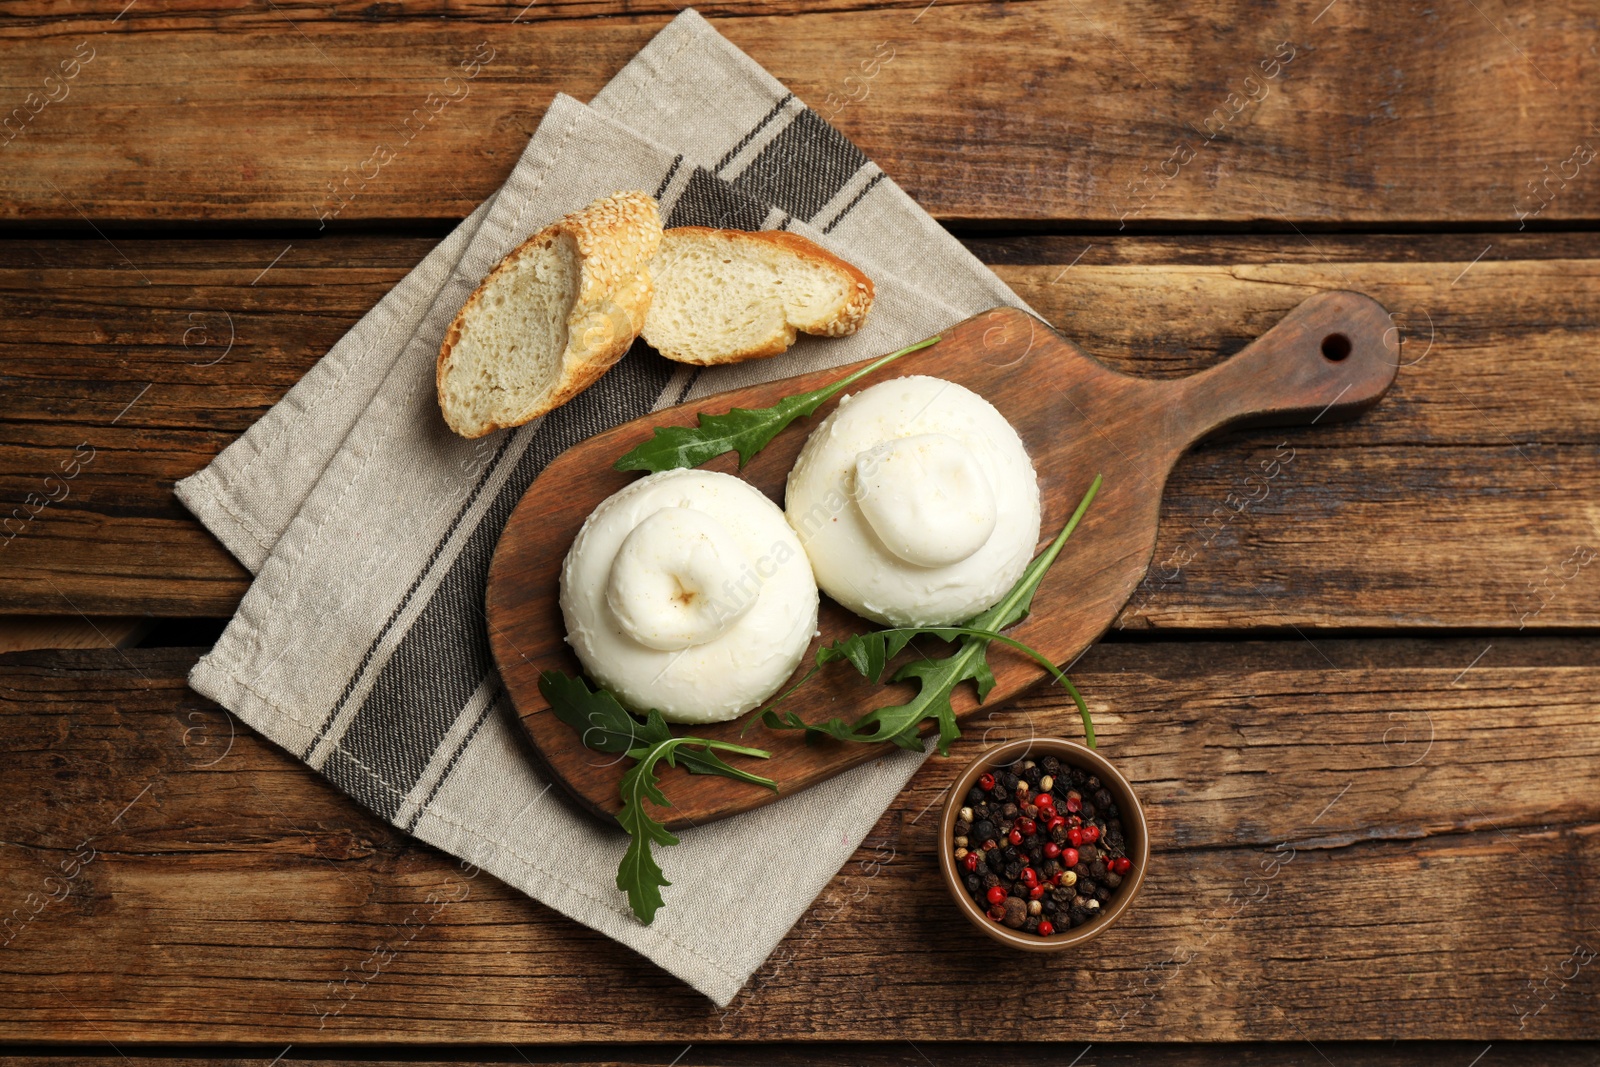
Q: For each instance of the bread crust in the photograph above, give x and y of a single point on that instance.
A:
(847, 320)
(614, 239)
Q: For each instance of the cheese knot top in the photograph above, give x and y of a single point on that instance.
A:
(687, 592)
(916, 503)
(670, 583)
(926, 497)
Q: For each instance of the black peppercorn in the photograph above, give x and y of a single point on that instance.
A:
(1067, 897)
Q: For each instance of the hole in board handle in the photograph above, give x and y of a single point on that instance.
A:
(1335, 347)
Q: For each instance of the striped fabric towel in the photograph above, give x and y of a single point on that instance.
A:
(361, 645)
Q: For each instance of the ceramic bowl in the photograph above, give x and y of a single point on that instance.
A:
(1133, 825)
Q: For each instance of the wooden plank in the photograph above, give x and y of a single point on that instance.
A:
(147, 383)
(1395, 846)
(1482, 463)
(878, 1054)
(20, 633)
(1049, 110)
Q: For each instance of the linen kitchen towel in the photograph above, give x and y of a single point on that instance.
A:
(361, 646)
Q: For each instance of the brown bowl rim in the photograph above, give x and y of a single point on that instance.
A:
(1135, 830)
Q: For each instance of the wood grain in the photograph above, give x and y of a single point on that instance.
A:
(1077, 419)
(1139, 115)
(885, 1053)
(1443, 827)
(1440, 794)
(154, 363)
(21, 633)
(1474, 481)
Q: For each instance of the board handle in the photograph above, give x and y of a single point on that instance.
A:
(1331, 358)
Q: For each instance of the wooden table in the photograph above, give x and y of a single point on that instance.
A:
(1360, 706)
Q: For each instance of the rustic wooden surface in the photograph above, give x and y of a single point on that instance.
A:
(1078, 420)
(1483, 461)
(19, 633)
(1056, 110)
(1338, 829)
(881, 1054)
(1419, 724)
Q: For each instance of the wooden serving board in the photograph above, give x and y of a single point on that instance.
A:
(1330, 358)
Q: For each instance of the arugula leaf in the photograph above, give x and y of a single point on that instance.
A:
(742, 430)
(606, 726)
(706, 761)
(603, 724)
(870, 652)
(937, 678)
(639, 875)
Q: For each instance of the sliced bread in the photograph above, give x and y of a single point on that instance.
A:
(724, 296)
(551, 318)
